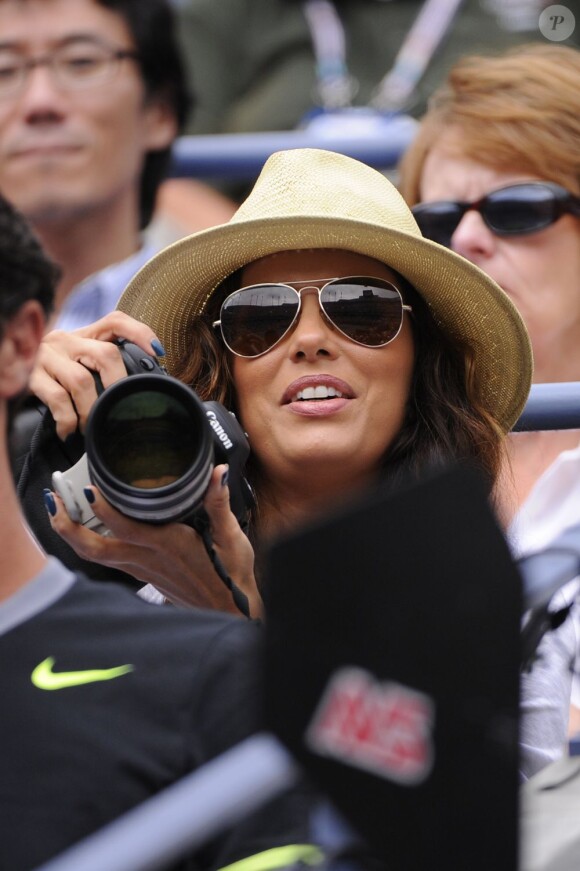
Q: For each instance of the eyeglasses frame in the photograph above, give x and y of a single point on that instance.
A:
(51, 62)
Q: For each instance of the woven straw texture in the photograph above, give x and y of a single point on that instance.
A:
(309, 198)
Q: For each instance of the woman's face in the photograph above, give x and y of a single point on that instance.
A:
(302, 441)
(539, 271)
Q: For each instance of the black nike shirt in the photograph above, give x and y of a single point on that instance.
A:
(82, 744)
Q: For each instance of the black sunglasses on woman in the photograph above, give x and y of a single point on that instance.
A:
(516, 209)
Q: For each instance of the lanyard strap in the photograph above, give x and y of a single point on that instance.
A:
(336, 87)
(413, 58)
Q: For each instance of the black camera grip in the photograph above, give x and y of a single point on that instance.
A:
(136, 360)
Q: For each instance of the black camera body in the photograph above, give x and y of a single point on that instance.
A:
(151, 446)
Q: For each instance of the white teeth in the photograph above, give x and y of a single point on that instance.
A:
(318, 392)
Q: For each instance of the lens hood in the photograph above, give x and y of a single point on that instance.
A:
(149, 448)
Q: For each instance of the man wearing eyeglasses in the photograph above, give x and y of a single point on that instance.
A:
(92, 96)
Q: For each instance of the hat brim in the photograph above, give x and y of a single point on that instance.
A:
(173, 288)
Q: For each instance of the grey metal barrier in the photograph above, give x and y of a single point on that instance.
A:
(374, 139)
(551, 406)
(188, 813)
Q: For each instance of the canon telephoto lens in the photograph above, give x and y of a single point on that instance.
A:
(149, 448)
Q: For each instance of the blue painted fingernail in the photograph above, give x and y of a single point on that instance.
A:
(49, 502)
(225, 476)
(89, 495)
(158, 347)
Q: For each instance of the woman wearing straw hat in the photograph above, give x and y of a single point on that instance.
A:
(389, 353)
(350, 348)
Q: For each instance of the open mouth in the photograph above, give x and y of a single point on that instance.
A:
(318, 392)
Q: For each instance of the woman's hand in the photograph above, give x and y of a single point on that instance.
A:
(172, 557)
(61, 378)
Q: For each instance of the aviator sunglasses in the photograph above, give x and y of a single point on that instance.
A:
(512, 210)
(368, 311)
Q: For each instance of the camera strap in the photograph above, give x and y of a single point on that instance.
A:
(240, 599)
(336, 87)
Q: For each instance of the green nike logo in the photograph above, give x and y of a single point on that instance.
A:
(45, 678)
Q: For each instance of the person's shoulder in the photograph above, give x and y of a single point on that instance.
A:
(123, 611)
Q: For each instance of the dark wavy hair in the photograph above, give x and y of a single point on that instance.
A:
(445, 421)
(26, 271)
(153, 27)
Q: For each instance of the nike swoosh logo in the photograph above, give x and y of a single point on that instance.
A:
(45, 678)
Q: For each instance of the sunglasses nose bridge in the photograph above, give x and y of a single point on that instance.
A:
(310, 318)
(310, 290)
(472, 217)
(472, 237)
(303, 293)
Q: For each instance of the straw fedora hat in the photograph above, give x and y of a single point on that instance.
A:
(309, 198)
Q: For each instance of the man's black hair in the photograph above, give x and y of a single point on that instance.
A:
(152, 25)
(26, 272)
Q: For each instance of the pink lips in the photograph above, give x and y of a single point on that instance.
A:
(317, 407)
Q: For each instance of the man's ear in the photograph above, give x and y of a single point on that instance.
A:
(19, 343)
(159, 125)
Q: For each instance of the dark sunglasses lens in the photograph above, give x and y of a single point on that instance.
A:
(366, 310)
(522, 209)
(438, 221)
(255, 318)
